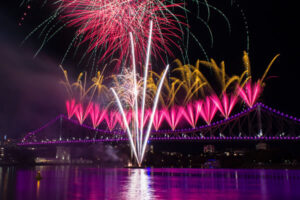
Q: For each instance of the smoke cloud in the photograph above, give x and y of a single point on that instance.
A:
(31, 93)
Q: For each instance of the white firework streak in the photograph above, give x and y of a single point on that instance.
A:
(141, 142)
(135, 92)
(153, 112)
(145, 79)
(126, 125)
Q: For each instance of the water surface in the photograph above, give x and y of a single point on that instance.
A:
(78, 182)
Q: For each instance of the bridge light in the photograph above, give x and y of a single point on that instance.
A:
(260, 133)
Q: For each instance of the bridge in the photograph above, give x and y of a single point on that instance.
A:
(258, 123)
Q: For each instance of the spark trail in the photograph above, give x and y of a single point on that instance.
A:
(137, 139)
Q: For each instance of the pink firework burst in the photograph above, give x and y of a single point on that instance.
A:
(106, 24)
(82, 113)
(225, 104)
(189, 115)
(97, 115)
(112, 119)
(250, 92)
(71, 107)
(206, 109)
(174, 116)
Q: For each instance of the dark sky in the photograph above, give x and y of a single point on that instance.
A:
(30, 89)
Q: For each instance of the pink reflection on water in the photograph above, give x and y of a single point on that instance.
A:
(90, 182)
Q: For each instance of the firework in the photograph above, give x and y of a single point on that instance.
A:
(169, 91)
(102, 28)
(137, 138)
(97, 115)
(79, 89)
(225, 104)
(169, 114)
(173, 117)
(189, 115)
(207, 110)
(112, 119)
(159, 116)
(71, 107)
(124, 85)
(247, 71)
(106, 23)
(250, 92)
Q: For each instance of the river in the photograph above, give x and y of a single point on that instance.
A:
(91, 182)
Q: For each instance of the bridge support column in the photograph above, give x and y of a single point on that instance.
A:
(63, 154)
(260, 131)
(60, 127)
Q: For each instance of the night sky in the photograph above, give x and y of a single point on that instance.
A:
(32, 95)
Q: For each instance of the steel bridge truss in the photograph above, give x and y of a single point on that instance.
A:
(257, 123)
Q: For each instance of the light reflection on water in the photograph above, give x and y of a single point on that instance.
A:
(139, 185)
(76, 183)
